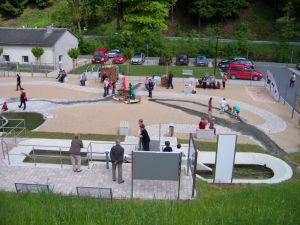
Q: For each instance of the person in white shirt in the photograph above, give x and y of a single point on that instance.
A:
(223, 104)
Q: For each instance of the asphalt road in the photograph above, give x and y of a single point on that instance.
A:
(282, 73)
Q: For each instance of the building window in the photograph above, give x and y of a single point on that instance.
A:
(60, 57)
(6, 58)
(25, 59)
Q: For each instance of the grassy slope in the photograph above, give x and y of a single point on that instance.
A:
(244, 204)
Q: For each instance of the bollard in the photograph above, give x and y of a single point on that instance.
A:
(107, 159)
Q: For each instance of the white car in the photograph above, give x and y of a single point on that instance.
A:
(138, 58)
(112, 53)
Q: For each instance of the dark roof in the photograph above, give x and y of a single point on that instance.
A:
(30, 36)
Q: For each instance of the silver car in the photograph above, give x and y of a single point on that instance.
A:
(138, 58)
(112, 53)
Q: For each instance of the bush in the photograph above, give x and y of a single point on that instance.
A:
(88, 46)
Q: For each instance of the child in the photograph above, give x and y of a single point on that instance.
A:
(4, 107)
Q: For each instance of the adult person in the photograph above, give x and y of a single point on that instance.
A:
(74, 152)
(151, 86)
(83, 79)
(123, 81)
(224, 79)
(23, 99)
(4, 107)
(292, 80)
(170, 80)
(18, 82)
(202, 124)
(105, 85)
(60, 73)
(117, 158)
(146, 82)
(63, 76)
(210, 103)
(167, 148)
(204, 81)
(140, 122)
(212, 82)
(144, 138)
(212, 125)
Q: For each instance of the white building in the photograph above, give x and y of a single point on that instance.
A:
(18, 42)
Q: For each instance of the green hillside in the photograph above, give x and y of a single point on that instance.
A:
(259, 15)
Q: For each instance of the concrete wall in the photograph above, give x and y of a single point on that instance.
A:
(62, 46)
(16, 52)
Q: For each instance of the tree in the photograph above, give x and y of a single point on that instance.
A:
(287, 23)
(73, 53)
(12, 7)
(37, 52)
(146, 17)
(42, 3)
(204, 9)
(229, 8)
(243, 34)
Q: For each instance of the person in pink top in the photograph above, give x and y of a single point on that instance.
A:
(123, 81)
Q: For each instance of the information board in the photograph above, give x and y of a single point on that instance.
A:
(225, 156)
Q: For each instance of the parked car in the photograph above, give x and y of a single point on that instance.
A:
(100, 56)
(298, 66)
(164, 61)
(242, 60)
(138, 58)
(242, 71)
(182, 59)
(224, 65)
(201, 60)
(112, 53)
(118, 59)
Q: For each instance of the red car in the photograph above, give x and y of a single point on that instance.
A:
(242, 71)
(100, 56)
(118, 59)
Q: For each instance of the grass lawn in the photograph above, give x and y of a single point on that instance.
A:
(32, 120)
(141, 70)
(214, 204)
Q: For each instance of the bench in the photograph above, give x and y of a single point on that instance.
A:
(124, 128)
(187, 73)
(204, 134)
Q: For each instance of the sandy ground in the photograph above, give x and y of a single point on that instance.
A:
(105, 118)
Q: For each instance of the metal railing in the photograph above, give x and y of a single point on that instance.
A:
(11, 132)
(90, 154)
(107, 146)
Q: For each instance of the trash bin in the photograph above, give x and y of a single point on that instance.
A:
(171, 130)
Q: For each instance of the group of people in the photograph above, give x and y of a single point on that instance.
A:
(211, 82)
(210, 120)
(116, 157)
(61, 75)
(226, 107)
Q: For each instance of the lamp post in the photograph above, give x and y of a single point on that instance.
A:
(216, 55)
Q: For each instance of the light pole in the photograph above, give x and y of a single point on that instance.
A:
(216, 55)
